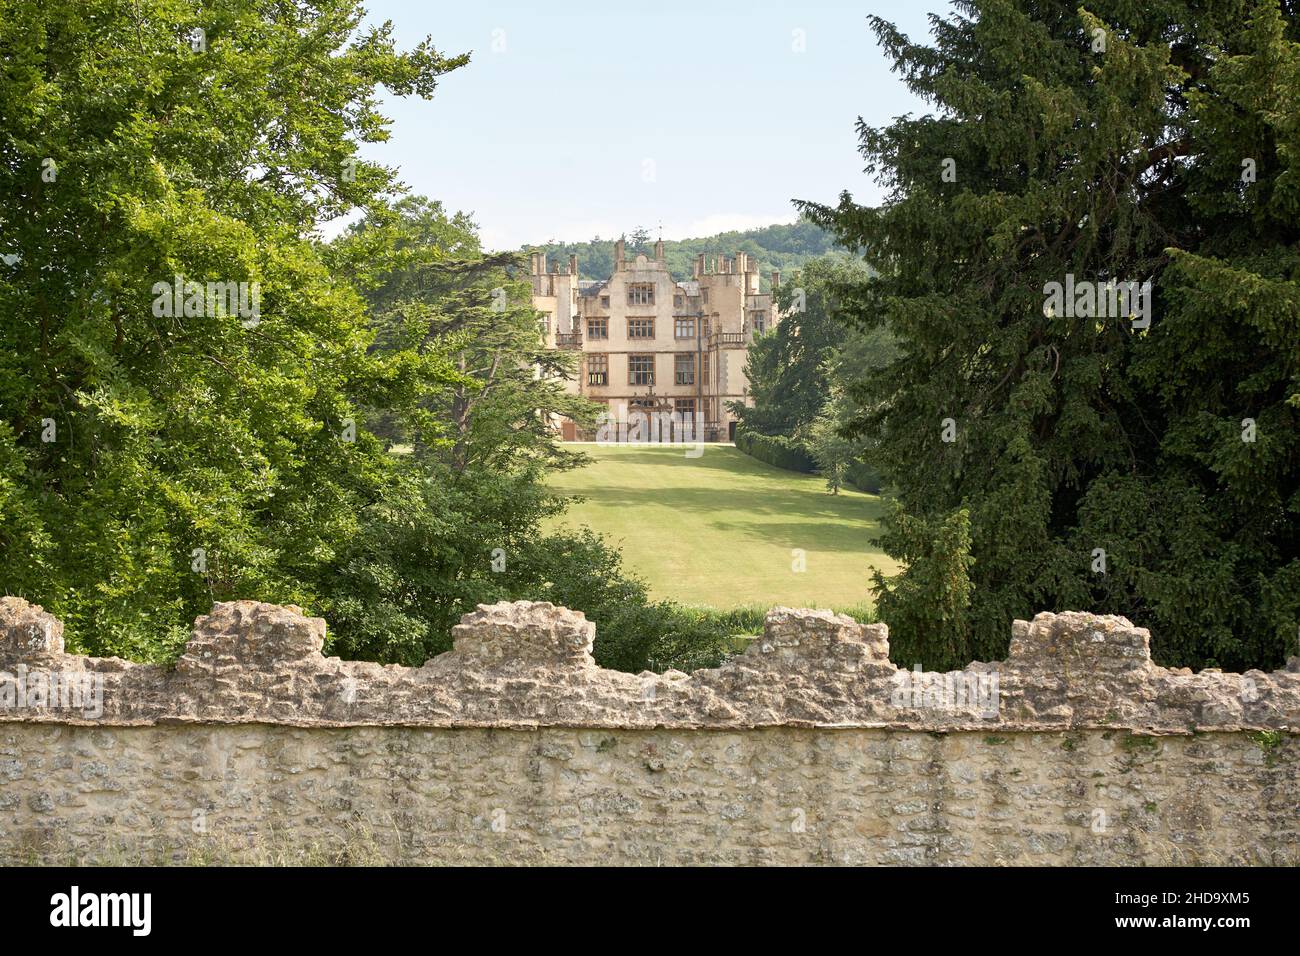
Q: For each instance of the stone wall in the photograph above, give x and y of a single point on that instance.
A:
(514, 747)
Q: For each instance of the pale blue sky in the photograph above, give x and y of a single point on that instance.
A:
(581, 118)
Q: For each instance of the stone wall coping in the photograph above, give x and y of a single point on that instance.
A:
(529, 665)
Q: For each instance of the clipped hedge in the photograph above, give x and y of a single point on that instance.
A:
(793, 455)
(863, 477)
(776, 450)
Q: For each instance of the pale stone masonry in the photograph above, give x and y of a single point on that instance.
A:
(514, 747)
(650, 343)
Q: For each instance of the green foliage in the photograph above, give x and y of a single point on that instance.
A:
(177, 433)
(1270, 743)
(579, 570)
(423, 555)
(427, 556)
(776, 450)
(1074, 432)
(428, 561)
(443, 296)
(839, 456)
(833, 453)
(801, 373)
(788, 368)
(781, 247)
(202, 457)
(152, 463)
(863, 477)
(463, 526)
(929, 608)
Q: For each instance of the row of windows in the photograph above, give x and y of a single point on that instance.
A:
(643, 293)
(641, 369)
(644, 328)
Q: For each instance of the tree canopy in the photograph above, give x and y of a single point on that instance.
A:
(1144, 463)
(783, 247)
(151, 463)
(790, 369)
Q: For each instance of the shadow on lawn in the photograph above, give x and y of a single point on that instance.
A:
(816, 506)
(847, 526)
(717, 457)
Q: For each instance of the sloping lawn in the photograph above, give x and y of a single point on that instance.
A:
(721, 530)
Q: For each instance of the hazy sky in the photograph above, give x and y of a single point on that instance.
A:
(576, 119)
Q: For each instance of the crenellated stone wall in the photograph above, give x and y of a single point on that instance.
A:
(514, 747)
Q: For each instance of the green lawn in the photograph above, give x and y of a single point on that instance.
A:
(719, 530)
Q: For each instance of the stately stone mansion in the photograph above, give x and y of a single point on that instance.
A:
(650, 343)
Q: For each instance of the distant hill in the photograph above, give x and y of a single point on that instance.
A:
(783, 247)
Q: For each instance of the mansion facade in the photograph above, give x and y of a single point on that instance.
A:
(652, 344)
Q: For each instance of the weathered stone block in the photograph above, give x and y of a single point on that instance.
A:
(27, 632)
(525, 631)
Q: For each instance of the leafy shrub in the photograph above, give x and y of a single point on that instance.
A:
(776, 450)
(412, 577)
(579, 570)
(863, 477)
